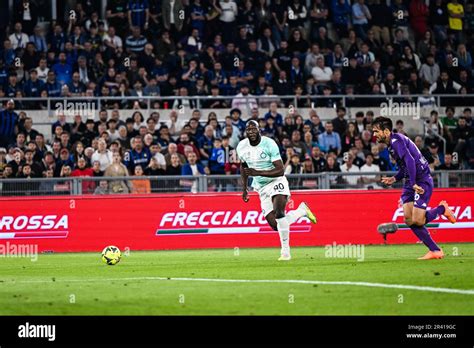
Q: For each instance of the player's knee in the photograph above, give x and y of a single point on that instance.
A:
(408, 220)
(279, 213)
(418, 221)
(274, 226)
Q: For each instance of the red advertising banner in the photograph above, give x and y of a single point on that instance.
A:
(188, 221)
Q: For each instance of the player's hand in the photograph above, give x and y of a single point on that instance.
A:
(418, 189)
(388, 180)
(245, 196)
(250, 172)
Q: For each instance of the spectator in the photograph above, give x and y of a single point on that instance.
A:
(333, 166)
(439, 19)
(154, 169)
(298, 145)
(173, 149)
(381, 21)
(18, 39)
(448, 163)
(340, 123)
(136, 42)
(102, 155)
(360, 18)
(449, 121)
(102, 188)
(445, 85)
(217, 158)
(330, 140)
(155, 151)
(401, 17)
(377, 159)
(228, 15)
(279, 22)
(461, 135)
(370, 181)
(244, 100)
(138, 14)
(118, 169)
(140, 186)
(62, 70)
(435, 155)
(341, 11)
(399, 127)
(455, 15)
(430, 71)
(65, 159)
(138, 155)
(8, 124)
(319, 162)
(293, 166)
(174, 168)
(419, 13)
(348, 140)
(321, 73)
(349, 167)
(205, 144)
(192, 168)
(88, 186)
(186, 145)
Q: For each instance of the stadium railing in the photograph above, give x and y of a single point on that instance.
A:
(211, 183)
(66, 104)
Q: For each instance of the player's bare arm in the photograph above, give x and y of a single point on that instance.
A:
(388, 180)
(418, 189)
(278, 170)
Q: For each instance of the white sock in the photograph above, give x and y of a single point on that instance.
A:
(284, 231)
(294, 215)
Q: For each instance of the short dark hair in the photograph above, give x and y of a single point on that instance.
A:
(383, 123)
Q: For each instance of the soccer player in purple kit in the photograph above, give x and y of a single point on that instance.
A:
(418, 185)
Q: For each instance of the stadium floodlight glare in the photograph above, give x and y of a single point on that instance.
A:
(386, 228)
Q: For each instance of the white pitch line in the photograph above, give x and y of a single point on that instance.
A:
(280, 281)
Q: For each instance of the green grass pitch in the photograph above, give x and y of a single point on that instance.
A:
(80, 284)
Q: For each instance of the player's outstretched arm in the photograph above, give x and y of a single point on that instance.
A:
(244, 178)
(278, 170)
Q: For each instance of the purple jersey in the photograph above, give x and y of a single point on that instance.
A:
(411, 162)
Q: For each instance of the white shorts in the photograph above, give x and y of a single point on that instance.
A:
(279, 186)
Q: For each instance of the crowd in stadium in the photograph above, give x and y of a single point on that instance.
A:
(234, 49)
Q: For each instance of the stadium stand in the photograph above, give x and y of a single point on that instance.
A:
(168, 86)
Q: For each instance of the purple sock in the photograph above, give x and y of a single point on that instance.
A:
(423, 234)
(433, 213)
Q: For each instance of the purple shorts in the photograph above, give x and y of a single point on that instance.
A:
(420, 201)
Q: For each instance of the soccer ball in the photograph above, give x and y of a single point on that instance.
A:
(111, 255)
